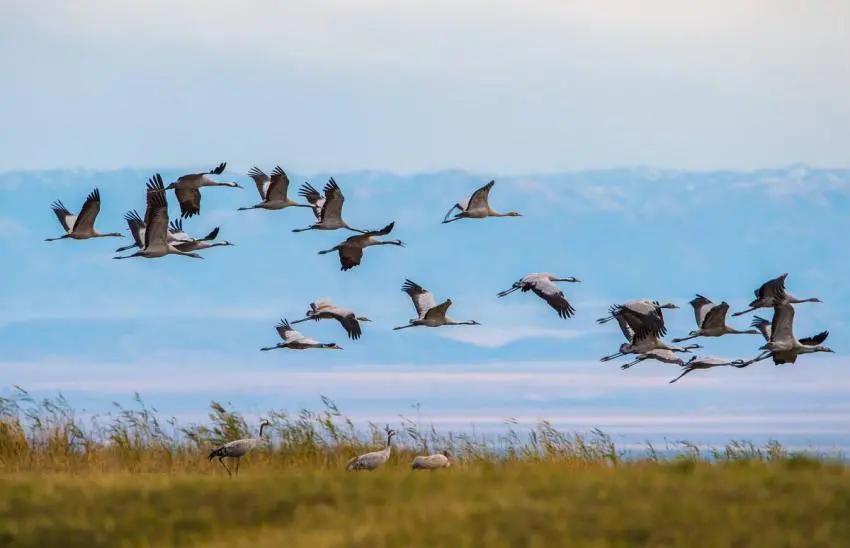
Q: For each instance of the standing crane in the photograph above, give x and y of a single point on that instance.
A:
(156, 240)
(80, 227)
(429, 313)
(296, 341)
(477, 206)
(711, 320)
(273, 190)
(324, 309)
(328, 210)
(432, 462)
(376, 459)
(187, 188)
(186, 243)
(705, 362)
(351, 250)
(772, 293)
(543, 285)
(782, 345)
(238, 448)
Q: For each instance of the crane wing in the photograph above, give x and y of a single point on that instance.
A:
(136, 225)
(156, 214)
(261, 180)
(350, 256)
(782, 328)
(772, 289)
(190, 201)
(194, 177)
(351, 325)
(313, 197)
(88, 213)
(479, 197)
(66, 218)
(332, 209)
(644, 324)
(553, 295)
(762, 325)
(423, 300)
(815, 340)
(438, 312)
(286, 332)
(701, 307)
(715, 318)
(279, 185)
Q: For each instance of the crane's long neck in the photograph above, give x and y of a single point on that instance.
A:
(108, 235)
(795, 300)
(262, 425)
(733, 331)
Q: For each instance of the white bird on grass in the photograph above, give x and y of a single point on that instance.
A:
(294, 340)
(376, 459)
(429, 313)
(238, 448)
(431, 462)
(542, 284)
(80, 227)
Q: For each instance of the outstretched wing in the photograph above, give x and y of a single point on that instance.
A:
(715, 318)
(279, 185)
(782, 328)
(136, 225)
(156, 214)
(701, 307)
(313, 197)
(815, 340)
(286, 332)
(66, 218)
(423, 300)
(553, 295)
(333, 201)
(644, 324)
(88, 213)
(439, 311)
(772, 289)
(212, 235)
(190, 201)
(350, 256)
(762, 325)
(218, 170)
(351, 326)
(261, 180)
(479, 197)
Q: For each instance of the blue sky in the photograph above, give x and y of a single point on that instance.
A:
(410, 110)
(183, 332)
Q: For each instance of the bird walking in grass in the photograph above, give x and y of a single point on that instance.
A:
(351, 250)
(81, 226)
(328, 210)
(429, 313)
(432, 462)
(543, 285)
(477, 206)
(188, 187)
(782, 345)
(156, 240)
(238, 448)
(186, 243)
(711, 320)
(294, 340)
(273, 190)
(705, 362)
(324, 309)
(374, 460)
(772, 293)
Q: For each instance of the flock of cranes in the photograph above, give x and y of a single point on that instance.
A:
(641, 321)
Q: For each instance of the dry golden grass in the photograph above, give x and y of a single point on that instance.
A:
(125, 480)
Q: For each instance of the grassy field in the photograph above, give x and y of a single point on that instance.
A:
(125, 480)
